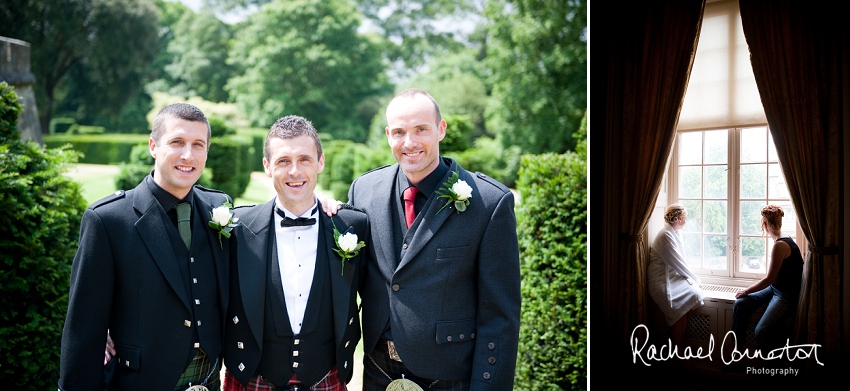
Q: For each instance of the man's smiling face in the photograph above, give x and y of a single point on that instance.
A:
(294, 167)
(180, 154)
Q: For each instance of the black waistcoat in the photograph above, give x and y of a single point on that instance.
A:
(310, 354)
(198, 271)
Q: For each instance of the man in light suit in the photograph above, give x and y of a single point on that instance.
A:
(441, 299)
(293, 322)
(155, 281)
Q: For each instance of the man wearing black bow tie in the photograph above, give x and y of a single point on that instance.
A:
(293, 323)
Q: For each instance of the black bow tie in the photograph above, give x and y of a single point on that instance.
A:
(299, 222)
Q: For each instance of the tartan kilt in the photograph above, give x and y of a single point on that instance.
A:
(331, 382)
(199, 370)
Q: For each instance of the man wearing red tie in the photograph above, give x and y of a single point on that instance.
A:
(441, 298)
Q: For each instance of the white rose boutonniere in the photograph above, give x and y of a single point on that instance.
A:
(222, 220)
(455, 192)
(347, 245)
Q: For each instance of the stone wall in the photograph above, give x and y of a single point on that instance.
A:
(15, 70)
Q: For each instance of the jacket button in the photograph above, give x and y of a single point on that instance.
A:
(486, 375)
(449, 338)
(462, 336)
(240, 345)
(404, 246)
(491, 345)
(491, 360)
(395, 288)
(187, 323)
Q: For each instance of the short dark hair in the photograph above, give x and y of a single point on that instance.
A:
(411, 92)
(182, 111)
(290, 127)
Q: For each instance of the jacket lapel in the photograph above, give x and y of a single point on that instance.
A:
(219, 249)
(340, 276)
(431, 220)
(382, 205)
(150, 228)
(253, 259)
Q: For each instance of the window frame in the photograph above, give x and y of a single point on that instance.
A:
(730, 276)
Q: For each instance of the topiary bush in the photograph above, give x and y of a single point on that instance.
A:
(552, 230)
(98, 148)
(132, 173)
(229, 160)
(39, 229)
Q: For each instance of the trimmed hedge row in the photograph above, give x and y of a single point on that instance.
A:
(552, 229)
(99, 148)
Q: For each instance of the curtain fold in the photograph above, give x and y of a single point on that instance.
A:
(799, 55)
(648, 57)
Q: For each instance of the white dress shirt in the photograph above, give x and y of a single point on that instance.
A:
(296, 255)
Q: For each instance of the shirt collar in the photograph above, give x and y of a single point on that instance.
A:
(427, 185)
(312, 212)
(166, 199)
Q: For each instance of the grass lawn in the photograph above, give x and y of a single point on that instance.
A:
(98, 181)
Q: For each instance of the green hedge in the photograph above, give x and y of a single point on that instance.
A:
(345, 160)
(99, 148)
(258, 140)
(231, 160)
(61, 124)
(552, 229)
(39, 229)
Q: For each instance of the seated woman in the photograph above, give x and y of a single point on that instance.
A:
(779, 289)
(672, 285)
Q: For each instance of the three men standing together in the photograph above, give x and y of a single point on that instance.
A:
(438, 278)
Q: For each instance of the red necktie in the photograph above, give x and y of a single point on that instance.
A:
(409, 211)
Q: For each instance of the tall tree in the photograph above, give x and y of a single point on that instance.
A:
(306, 57)
(416, 30)
(105, 44)
(537, 52)
(199, 52)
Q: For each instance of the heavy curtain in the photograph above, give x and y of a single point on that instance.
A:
(646, 51)
(799, 54)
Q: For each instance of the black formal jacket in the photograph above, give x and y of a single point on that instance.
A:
(246, 316)
(125, 279)
(451, 291)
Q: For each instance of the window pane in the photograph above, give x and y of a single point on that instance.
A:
(690, 182)
(693, 223)
(715, 217)
(752, 255)
(716, 147)
(754, 181)
(789, 221)
(751, 217)
(771, 150)
(693, 250)
(776, 186)
(715, 182)
(690, 148)
(715, 252)
(753, 145)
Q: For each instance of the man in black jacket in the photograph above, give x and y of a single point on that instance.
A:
(152, 273)
(293, 321)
